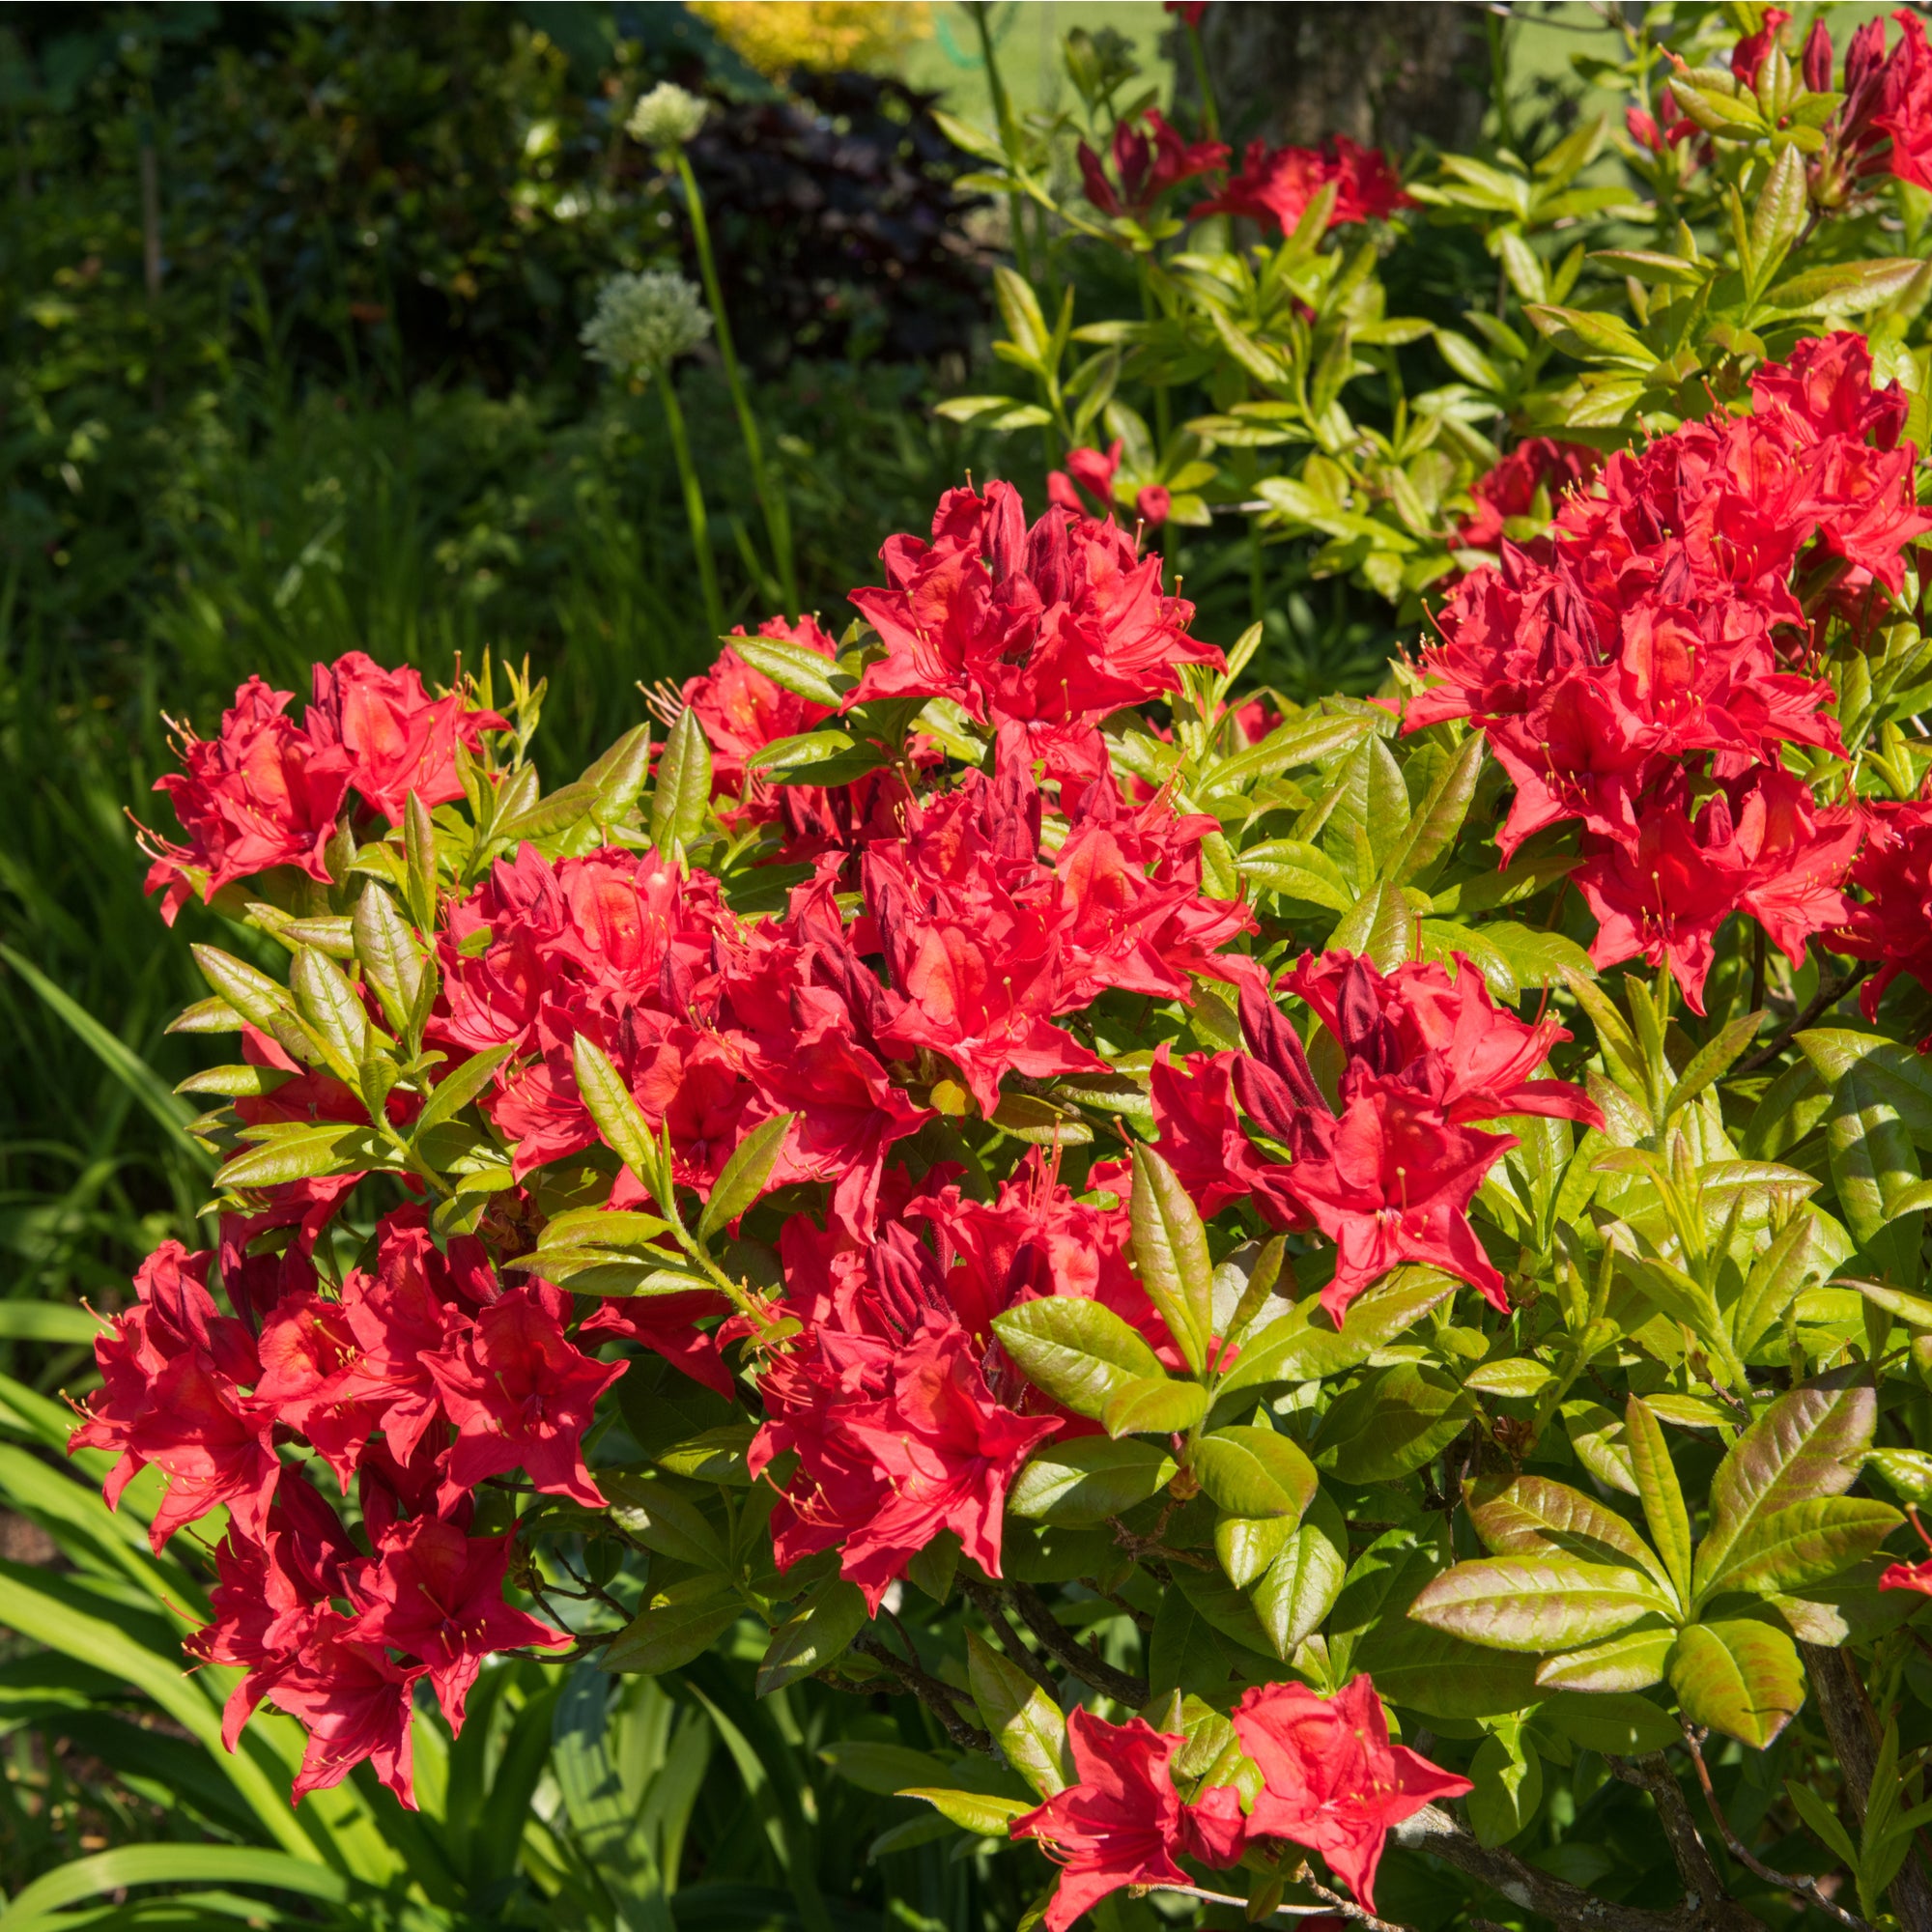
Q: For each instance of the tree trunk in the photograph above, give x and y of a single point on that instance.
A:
(1385, 75)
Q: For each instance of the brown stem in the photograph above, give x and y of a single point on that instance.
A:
(1803, 1888)
(1432, 1831)
(1079, 1658)
(1704, 1894)
(1828, 995)
(937, 1697)
(1852, 1726)
(1347, 1907)
(986, 1600)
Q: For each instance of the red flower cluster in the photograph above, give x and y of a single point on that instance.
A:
(1389, 1178)
(1331, 1780)
(1146, 165)
(267, 792)
(1885, 124)
(1639, 671)
(1094, 471)
(412, 1385)
(1274, 186)
(1510, 489)
(1051, 627)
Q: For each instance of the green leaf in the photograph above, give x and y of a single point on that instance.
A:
(1080, 1352)
(617, 1119)
(1873, 1161)
(1508, 1790)
(675, 1626)
(1808, 1443)
(1170, 1254)
(1310, 739)
(822, 757)
(1660, 1493)
(1739, 1677)
(744, 1174)
(1909, 1471)
(795, 667)
(816, 1634)
(1823, 1823)
(883, 1769)
(1611, 1722)
(1393, 1421)
(1844, 288)
(1298, 1589)
(1432, 830)
(305, 1154)
(1801, 1544)
(1632, 1662)
(1090, 1479)
(1153, 1405)
(664, 1519)
(1780, 215)
(1537, 1603)
(683, 788)
(1293, 1349)
(1533, 1516)
(1247, 1545)
(980, 1812)
(1711, 1060)
(172, 1115)
(620, 774)
(128, 1866)
(1297, 870)
(1444, 1675)
(1254, 1472)
(461, 1085)
(419, 862)
(1029, 1727)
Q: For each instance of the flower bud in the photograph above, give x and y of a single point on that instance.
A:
(643, 322)
(666, 117)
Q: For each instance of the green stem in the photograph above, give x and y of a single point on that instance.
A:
(1210, 115)
(694, 507)
(1003, 114)
(770, 495)
(1257, 579)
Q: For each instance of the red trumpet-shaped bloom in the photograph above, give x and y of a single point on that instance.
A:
(1331, 1780)
(437, 1595)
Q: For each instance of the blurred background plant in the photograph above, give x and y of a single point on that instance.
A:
(294, 303)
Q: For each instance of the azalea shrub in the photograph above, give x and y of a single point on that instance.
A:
(1304, 1297)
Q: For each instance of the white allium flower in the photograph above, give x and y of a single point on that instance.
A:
(643, 322)
(666, 117)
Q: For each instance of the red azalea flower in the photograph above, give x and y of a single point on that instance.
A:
(1903, 107)
(355, 1704)
(1117, 1824)
(1145, 168)
(667, 1325)
(262, 794)
(1332, 1780)
(437, 1595)
(1892, 925)
(520, 1395)
(1664, 896)
(1046, 623)
(885, 1400)
(1189, 10)
(1749, 56)
(1275, 187)
(394, 738)
(1510, 489)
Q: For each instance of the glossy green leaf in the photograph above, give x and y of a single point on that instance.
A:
(1170, 1254)
(1029, 1727)
(1076, 1349)
(1153, 1405)
(1801, 1544)
(1393, 1421)
(1633, 1660)
(1089, 1479)
(682, 789)
(1739, 1677)
(676, 1625)
(1658, 1491)
(745, 1176)
(818, 1632)
(1538, 1604)
(1807, 1444)
(1254, 1472)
